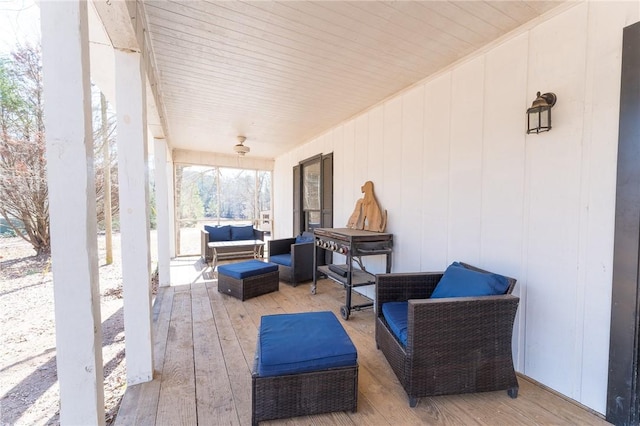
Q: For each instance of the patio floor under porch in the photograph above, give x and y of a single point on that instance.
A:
(204, 349)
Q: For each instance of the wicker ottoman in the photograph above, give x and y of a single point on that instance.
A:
(244, 280)
(305, 364)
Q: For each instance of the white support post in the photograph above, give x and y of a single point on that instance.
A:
(134, 218)
(162, 212)
(72, 211)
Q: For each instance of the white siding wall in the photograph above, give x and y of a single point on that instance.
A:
(461, 181)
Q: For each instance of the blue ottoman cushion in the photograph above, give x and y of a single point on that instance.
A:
(304, 342)
(281, 259)
(246, 269)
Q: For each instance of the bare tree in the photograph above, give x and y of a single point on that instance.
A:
(23, 185)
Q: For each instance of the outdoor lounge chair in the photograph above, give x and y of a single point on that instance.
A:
(446, 345)
(294, 257)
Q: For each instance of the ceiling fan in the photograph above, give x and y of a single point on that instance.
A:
(240, 148)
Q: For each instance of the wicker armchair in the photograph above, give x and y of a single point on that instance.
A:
(454, 345)
(294, 260)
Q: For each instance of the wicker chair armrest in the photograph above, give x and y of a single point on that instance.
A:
(280, 246)
(400, 287)
(258, 234)
(204, 240)
(302, 256)
(437, 326)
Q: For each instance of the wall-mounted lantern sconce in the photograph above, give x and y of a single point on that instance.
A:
(539, 115)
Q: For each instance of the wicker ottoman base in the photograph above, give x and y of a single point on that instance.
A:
(247, 288)
(293, 395)
(305, 364)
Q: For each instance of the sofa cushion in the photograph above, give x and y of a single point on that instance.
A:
(239, 233)
(396, 313)
(246, 269)
(303, 342)
(281, 259)
(218, 233)
(459, 281)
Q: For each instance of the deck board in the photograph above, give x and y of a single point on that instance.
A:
(150, 393)
(129, 407)
(213, 389)
(238, 370)
(177, 399)
(204, 349)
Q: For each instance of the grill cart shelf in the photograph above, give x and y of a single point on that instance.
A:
(353, 244)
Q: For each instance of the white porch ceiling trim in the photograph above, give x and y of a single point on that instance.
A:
(222, 160)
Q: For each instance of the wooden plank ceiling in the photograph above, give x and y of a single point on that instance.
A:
(282, 72)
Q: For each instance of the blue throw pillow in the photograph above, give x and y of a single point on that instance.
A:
(239, 233)
(304, 238)
(218, 233)
(459, 281)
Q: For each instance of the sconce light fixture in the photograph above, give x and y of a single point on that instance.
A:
(539, 115)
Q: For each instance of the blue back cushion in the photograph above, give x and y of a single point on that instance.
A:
(306, 237)
(459, 281)
(396, 314)
(239, 233)
(281, 259)
(218, 233)
(304, 342)
(246, 269)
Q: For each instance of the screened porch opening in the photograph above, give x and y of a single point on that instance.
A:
(207, 195)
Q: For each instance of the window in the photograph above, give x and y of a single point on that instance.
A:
(313, 194)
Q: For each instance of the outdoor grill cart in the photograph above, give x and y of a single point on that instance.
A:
(353, 244)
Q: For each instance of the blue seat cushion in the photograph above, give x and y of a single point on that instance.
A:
(281, 259)
(458, 281)
(218, 233)
(246, 269)
(304, 342)
(396, 314)
(239, 233)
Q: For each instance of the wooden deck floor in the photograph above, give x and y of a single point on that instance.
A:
(204, 348)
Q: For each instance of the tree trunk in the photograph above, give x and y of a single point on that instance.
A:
(107, 183)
